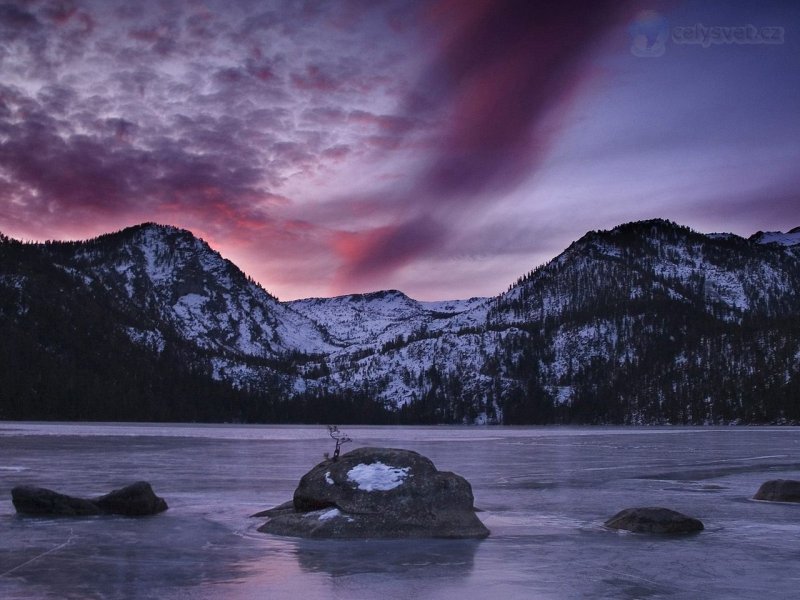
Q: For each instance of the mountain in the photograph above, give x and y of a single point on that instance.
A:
(177, 282)
(649, 322)
(361, 320)
(150, 315)
(790, 238)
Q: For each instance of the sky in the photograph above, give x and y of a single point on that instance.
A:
(439, 147)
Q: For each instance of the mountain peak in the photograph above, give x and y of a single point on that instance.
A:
(649, 225)
(790, 238)
(148, 230)
(637, 229)
(381, 295)
(148, 225)
(151, 228)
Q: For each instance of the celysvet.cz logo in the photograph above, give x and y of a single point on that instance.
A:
(720, 34)
(651, 33)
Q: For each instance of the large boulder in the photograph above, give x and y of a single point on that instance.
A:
(31, 500)
(654, 520)
(379, 493)
(779, 490)
(137, 499)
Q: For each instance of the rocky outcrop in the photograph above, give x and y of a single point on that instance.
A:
(137, 499)
(378, 493)
(779, 490)
(654, 520)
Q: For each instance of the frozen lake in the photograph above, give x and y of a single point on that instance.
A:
(545, 493)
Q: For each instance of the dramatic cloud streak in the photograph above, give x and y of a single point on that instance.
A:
(346, 146)
(498, 71)
(502, 67)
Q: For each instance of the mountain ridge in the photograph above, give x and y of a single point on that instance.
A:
(604, 332)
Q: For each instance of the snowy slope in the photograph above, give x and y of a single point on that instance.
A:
(380, 317)
(790, 238)
(401, 375)
(650, 261)
(177, 281)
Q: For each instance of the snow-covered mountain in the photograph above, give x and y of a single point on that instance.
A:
(177, 281)
(647, 322)
(595, 316)
(382, 317)
(790, 238)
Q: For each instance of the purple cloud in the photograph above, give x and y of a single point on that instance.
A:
(357, 141)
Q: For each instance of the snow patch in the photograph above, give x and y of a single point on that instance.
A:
(190, 302)
(152, 339)
(563, 394)
(330, 514)
(481, 419)
(377, 476)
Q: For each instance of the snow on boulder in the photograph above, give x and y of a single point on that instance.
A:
(379, 493)
(377, 476)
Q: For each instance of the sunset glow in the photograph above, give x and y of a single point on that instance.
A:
(439, 147)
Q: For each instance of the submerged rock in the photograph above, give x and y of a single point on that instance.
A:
(137, 499)
(654, 520)
(378, 493)
(779, 490)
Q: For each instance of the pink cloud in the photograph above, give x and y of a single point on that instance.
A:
(315, 78)
(368, 256)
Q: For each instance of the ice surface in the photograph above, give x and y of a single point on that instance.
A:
(544, 492)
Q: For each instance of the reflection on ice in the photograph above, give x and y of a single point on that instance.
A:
(76, 557)
(393, 557)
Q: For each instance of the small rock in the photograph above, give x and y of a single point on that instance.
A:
(31, 500)
(135, 500)
(654, 520)
(779, 490)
